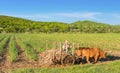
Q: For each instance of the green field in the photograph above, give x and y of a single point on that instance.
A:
(32, 44)
(104, 41)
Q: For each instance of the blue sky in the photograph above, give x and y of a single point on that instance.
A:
(106, 11)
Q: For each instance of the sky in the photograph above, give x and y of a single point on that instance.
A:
(68, 11)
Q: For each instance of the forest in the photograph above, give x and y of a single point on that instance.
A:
(9, 24)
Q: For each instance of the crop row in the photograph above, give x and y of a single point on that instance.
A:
(3, 44)
(29, 51)
(13, 50)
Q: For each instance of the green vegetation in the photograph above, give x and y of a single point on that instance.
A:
(30, 52)
(112, 67)
(13, 50)
(3, 44)
(102, 40)
(33, 43)
(10, 24)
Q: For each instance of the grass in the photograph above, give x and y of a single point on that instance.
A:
(104, 41)
(30, 52)
(13, 50)
(3, 44)
(112, 67)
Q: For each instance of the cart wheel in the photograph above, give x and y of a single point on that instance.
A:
(68, 60)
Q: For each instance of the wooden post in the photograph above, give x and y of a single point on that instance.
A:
(73, 48)
(54, 51)
(53, 56)
(61, 50)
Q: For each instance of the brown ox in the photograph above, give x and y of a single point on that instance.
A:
(89, 52)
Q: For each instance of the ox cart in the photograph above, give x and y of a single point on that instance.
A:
(63, 55)
(63, 58)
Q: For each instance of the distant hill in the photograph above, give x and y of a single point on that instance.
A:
(10, 24)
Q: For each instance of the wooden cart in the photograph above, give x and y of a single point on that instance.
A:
(63, 58)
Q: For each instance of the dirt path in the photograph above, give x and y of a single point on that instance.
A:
(5, 61)
(113, 55)
(45, 60)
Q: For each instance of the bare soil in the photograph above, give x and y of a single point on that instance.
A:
(4, 61)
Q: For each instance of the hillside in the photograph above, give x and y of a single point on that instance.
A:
(10, 24)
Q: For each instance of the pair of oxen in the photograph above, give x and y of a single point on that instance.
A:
(86, 53)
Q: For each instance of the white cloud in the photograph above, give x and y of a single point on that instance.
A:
(87, 15)
(34, 16)
(111, 18)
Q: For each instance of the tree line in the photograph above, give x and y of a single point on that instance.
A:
(10, 24)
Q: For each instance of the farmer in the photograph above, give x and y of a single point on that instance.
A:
(66, 47)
